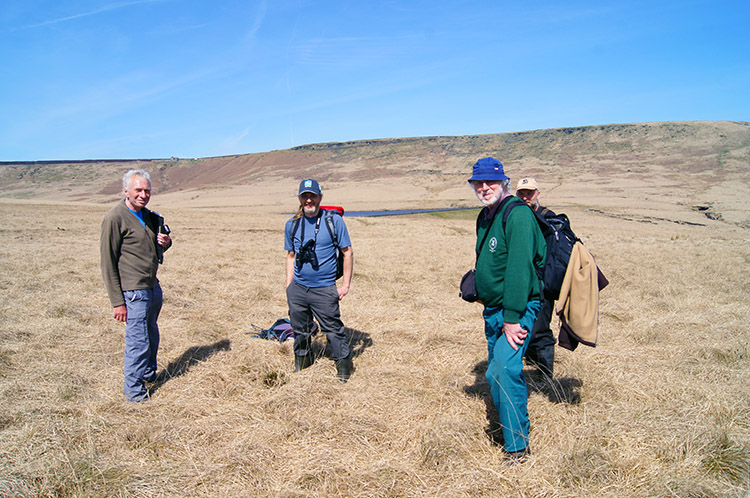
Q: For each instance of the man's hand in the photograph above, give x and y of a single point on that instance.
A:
(515, 334)
(163, 239)
(121, 313)
(348, 271)
(343, 291)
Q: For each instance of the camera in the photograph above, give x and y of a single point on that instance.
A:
(307, 254)
(163, 228)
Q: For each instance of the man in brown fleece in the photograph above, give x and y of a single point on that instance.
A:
(133, 240)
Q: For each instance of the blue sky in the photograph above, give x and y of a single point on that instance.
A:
(87, 79)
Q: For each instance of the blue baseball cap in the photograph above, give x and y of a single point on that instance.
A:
(309, 185)
(488, 168)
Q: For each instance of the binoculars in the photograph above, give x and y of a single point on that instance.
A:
(307, 254)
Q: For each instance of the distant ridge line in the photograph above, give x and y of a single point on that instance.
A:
(369, 142)
(79, 161)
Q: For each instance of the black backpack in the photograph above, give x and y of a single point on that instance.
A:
(328, 217)
(560, 240)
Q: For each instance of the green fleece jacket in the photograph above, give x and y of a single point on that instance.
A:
(129, 257)
(505, 273)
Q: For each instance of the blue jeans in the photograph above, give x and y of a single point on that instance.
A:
(141, 340)
(505, 376)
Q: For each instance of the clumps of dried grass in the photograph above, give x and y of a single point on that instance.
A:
(655, 410)
(726, 457)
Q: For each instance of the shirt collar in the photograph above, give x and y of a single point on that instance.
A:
(489, 213)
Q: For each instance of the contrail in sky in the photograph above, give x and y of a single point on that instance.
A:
(106, 8)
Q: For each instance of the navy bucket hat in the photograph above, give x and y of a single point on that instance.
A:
(488, 168)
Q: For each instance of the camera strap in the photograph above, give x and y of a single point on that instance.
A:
(317, 228)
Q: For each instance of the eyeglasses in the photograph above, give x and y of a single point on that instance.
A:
(482, 183)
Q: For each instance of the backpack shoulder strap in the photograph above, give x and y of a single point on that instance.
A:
(479, 219)
(544, 225)
(331, 228)
(512, 204)
(295, 226)
(482, 215)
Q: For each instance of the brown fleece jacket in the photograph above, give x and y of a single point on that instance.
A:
(129, 258)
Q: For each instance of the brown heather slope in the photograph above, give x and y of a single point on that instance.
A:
(682, 166)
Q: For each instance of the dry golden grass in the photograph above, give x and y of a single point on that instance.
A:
(660, 408)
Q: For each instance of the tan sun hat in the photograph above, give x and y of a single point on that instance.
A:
(526, 184)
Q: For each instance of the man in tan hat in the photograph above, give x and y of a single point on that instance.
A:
(541, 349)
(528, 191)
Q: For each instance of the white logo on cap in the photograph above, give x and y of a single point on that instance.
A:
(308, 183)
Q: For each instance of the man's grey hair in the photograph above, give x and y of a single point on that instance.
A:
(506, 186)
(130, 174)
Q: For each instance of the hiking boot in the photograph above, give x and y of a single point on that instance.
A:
(344, 369)
(139, 398)
(515, 457)
(302, 362)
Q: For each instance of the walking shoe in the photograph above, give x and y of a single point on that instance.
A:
(302, 362)
(344, 369)
(140, 398)
(515, 457)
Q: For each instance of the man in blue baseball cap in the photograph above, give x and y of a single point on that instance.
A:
(508, 287)
(310, 186)
(312, 238)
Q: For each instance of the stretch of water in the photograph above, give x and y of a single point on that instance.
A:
(396, 212)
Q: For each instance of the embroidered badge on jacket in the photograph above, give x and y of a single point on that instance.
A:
(493, 244)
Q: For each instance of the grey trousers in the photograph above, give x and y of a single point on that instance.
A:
(541, 348)
(323, 304)
(141, 340)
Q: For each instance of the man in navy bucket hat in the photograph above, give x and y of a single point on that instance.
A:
(488, 168)
(508, 287)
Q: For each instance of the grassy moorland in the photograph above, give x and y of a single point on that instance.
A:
(660, 408)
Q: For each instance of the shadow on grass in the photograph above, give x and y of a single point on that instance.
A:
(557, 390)
(480, 389)
(358, 342)
(181, 365)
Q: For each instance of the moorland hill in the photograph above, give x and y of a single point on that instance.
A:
(592, 165)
